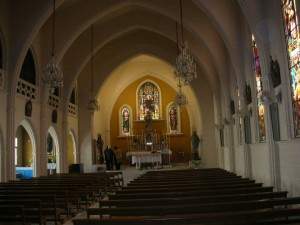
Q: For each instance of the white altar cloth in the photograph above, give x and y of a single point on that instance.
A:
(139, 157)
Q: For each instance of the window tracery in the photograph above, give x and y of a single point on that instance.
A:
(125, 120)
(292, 36)
(148, 100)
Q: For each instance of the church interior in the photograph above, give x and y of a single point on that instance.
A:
(149, 112)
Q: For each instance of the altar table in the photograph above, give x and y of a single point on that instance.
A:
(140, 157)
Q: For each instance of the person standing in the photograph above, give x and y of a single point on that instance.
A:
(108, 158)
(195, 145)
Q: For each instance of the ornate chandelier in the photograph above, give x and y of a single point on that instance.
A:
(180, 98)
(53, 76)
(93, 104)
(185, 67)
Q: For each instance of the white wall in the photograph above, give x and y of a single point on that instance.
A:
(260, 163)
(240, 160)
(289, 152)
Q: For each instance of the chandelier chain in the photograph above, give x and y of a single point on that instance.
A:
(53, 76)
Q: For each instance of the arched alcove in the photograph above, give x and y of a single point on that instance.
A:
(24, 157)
(71, 148)
(53, 152)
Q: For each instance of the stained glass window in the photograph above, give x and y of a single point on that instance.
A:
(148, 101)
(173, 118)
(125, 120)
(293, 49)
(259, 89)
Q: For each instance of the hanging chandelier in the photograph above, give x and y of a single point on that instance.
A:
(53, 76)
(185, 67)
(180, 98)
(93, 104)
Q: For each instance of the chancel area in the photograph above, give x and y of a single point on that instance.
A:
(149, 112)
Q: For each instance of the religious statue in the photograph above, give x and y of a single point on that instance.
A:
(28, 108)
(125, 124)
(99, 145)
(173, 118)
(275, 72)
(195, 144)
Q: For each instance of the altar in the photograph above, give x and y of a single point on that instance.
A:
(155, 158)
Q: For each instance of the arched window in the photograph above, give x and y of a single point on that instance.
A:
(259, 89)
(292, 36)
(173, 118)
(125, 119)
(148, 100)
(28, 69)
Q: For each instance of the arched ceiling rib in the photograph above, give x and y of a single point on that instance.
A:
(213, 23)
(198, 24)
(104, 35)
(116, 52)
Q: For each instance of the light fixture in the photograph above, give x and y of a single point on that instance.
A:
(180, 98)
(53, 76)
(93, 104)
(185, 67)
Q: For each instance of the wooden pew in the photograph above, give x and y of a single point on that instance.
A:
(192, 193)
(253, 217)
(51, 208)
(196, 208)
(184, 188)
(192, 200)
(32, 210)
(198, 182)
(12, 214)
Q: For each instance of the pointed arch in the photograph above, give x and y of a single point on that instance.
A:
(72, 156)
(52, 132)
(125, 120)
(26, 124)
(148, 88)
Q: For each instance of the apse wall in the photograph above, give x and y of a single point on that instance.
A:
(180, 143)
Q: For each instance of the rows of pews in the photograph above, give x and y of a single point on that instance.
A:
(194, 197)
(53, 199)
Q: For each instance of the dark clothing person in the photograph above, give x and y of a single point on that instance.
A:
(117, 158)
(108, 154)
